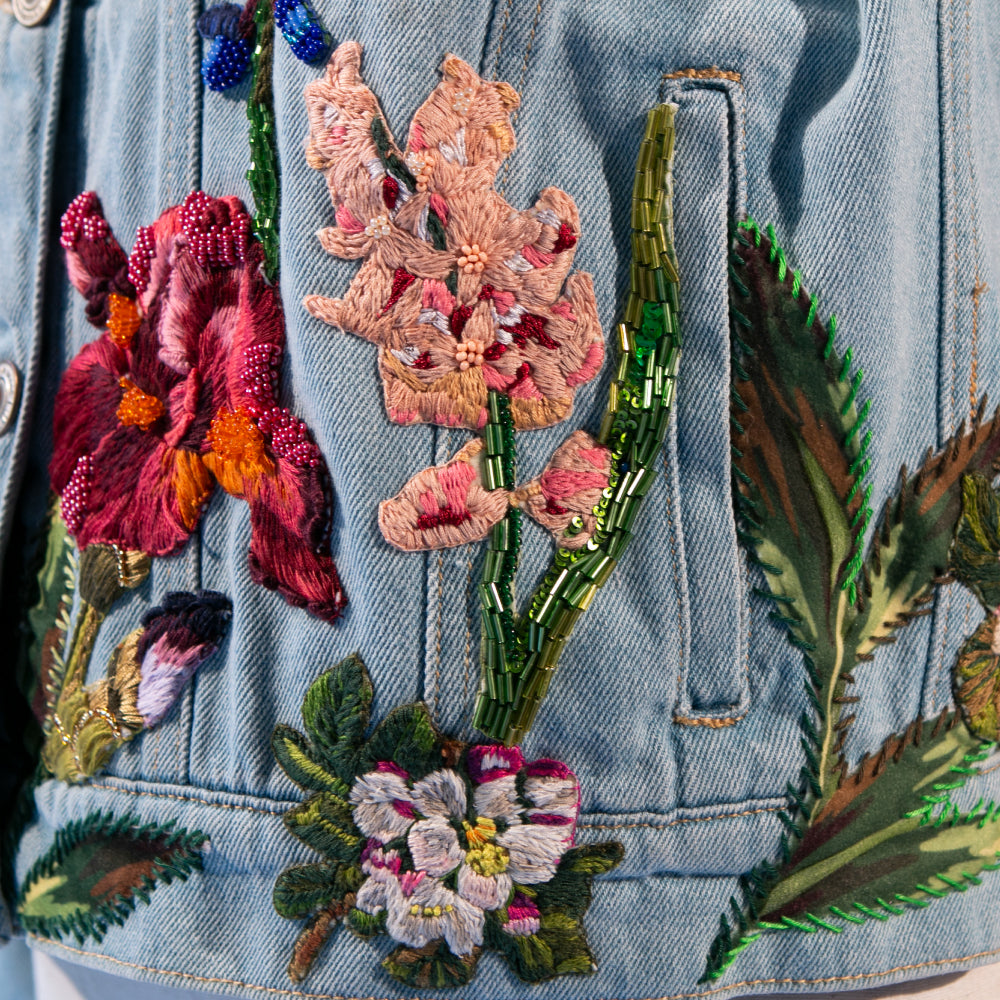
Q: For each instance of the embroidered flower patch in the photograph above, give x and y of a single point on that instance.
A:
(145, 675)
(461, 292)
(180, 393)
(447, 848)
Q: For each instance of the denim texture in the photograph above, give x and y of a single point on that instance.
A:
(865, 131)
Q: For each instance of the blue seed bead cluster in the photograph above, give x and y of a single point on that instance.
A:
(227, 61)
(302, 28)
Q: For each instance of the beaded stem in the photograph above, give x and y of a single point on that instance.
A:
(515, 680)
(263, 172)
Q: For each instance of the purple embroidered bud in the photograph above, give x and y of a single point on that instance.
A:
(523, 917)
(179, 636)
(222, 19)
(488, 763)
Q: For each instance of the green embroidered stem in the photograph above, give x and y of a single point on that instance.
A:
(502, 653)
(634, 427)
(263, 172)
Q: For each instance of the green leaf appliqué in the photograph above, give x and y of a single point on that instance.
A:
(97, 869)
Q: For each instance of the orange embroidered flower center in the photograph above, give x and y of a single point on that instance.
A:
(473, 260)
(123, 320)
(469, 352)
(378, 227)
(138, 408)
(234, 437)
(421, 166)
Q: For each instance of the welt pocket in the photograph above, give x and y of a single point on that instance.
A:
(709, 191)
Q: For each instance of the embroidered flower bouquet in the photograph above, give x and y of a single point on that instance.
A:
(481, 325)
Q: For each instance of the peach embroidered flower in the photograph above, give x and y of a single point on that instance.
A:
(447, 262)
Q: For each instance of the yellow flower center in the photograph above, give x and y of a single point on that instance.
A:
(123, 320)
(485, 857)
(138, 408)
(416, 910)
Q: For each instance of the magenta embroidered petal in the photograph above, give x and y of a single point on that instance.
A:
(136, 445)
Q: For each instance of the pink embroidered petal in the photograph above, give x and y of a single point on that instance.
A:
(464, 129)
(96, 263)
(491, 762)
(379, 800)
(487, 304)
(564, 496)
(349, 138)
(443, 506)
(488, 892)
(498, 800)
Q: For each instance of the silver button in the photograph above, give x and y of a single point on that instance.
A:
(32, 12)
(10, 395)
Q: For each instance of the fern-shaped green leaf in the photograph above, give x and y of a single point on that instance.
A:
(304, 889)
(96, 871)
(325, 823)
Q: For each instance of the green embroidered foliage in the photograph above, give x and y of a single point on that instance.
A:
(431, 967)
(559, 947)
(890, 832)
(95, 871)
(975, 556)
(49, 618)
(976, 680)
(302, 890)
(407, 737)
(910, 551)
(324, 823)
(870, 842)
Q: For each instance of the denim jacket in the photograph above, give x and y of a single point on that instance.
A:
(865, 131)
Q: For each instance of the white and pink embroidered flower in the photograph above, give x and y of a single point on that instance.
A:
(496, 840)
(470, 853)
(419, 909)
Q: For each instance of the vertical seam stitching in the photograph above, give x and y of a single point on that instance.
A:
(503, 33)
(951, 173)
(974, 206)
(520, 89)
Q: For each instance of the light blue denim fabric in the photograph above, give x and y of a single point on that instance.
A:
(865, 131)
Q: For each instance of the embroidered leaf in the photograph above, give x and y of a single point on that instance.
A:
(910, 550)
(324, 822)
(799, 456)
(336, 712)
(559, 948)
(49, 618)
(975, 556)
(431, 967)
(569, 890)
(302, 890)
(298, 760)
(95, 871)
(407, 737)
(976, 680)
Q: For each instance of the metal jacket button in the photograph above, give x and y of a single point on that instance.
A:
(29, 12)
(10, 395)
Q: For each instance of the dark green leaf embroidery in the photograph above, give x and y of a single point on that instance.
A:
(447, 848)
(869, 842)
(97, 869)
